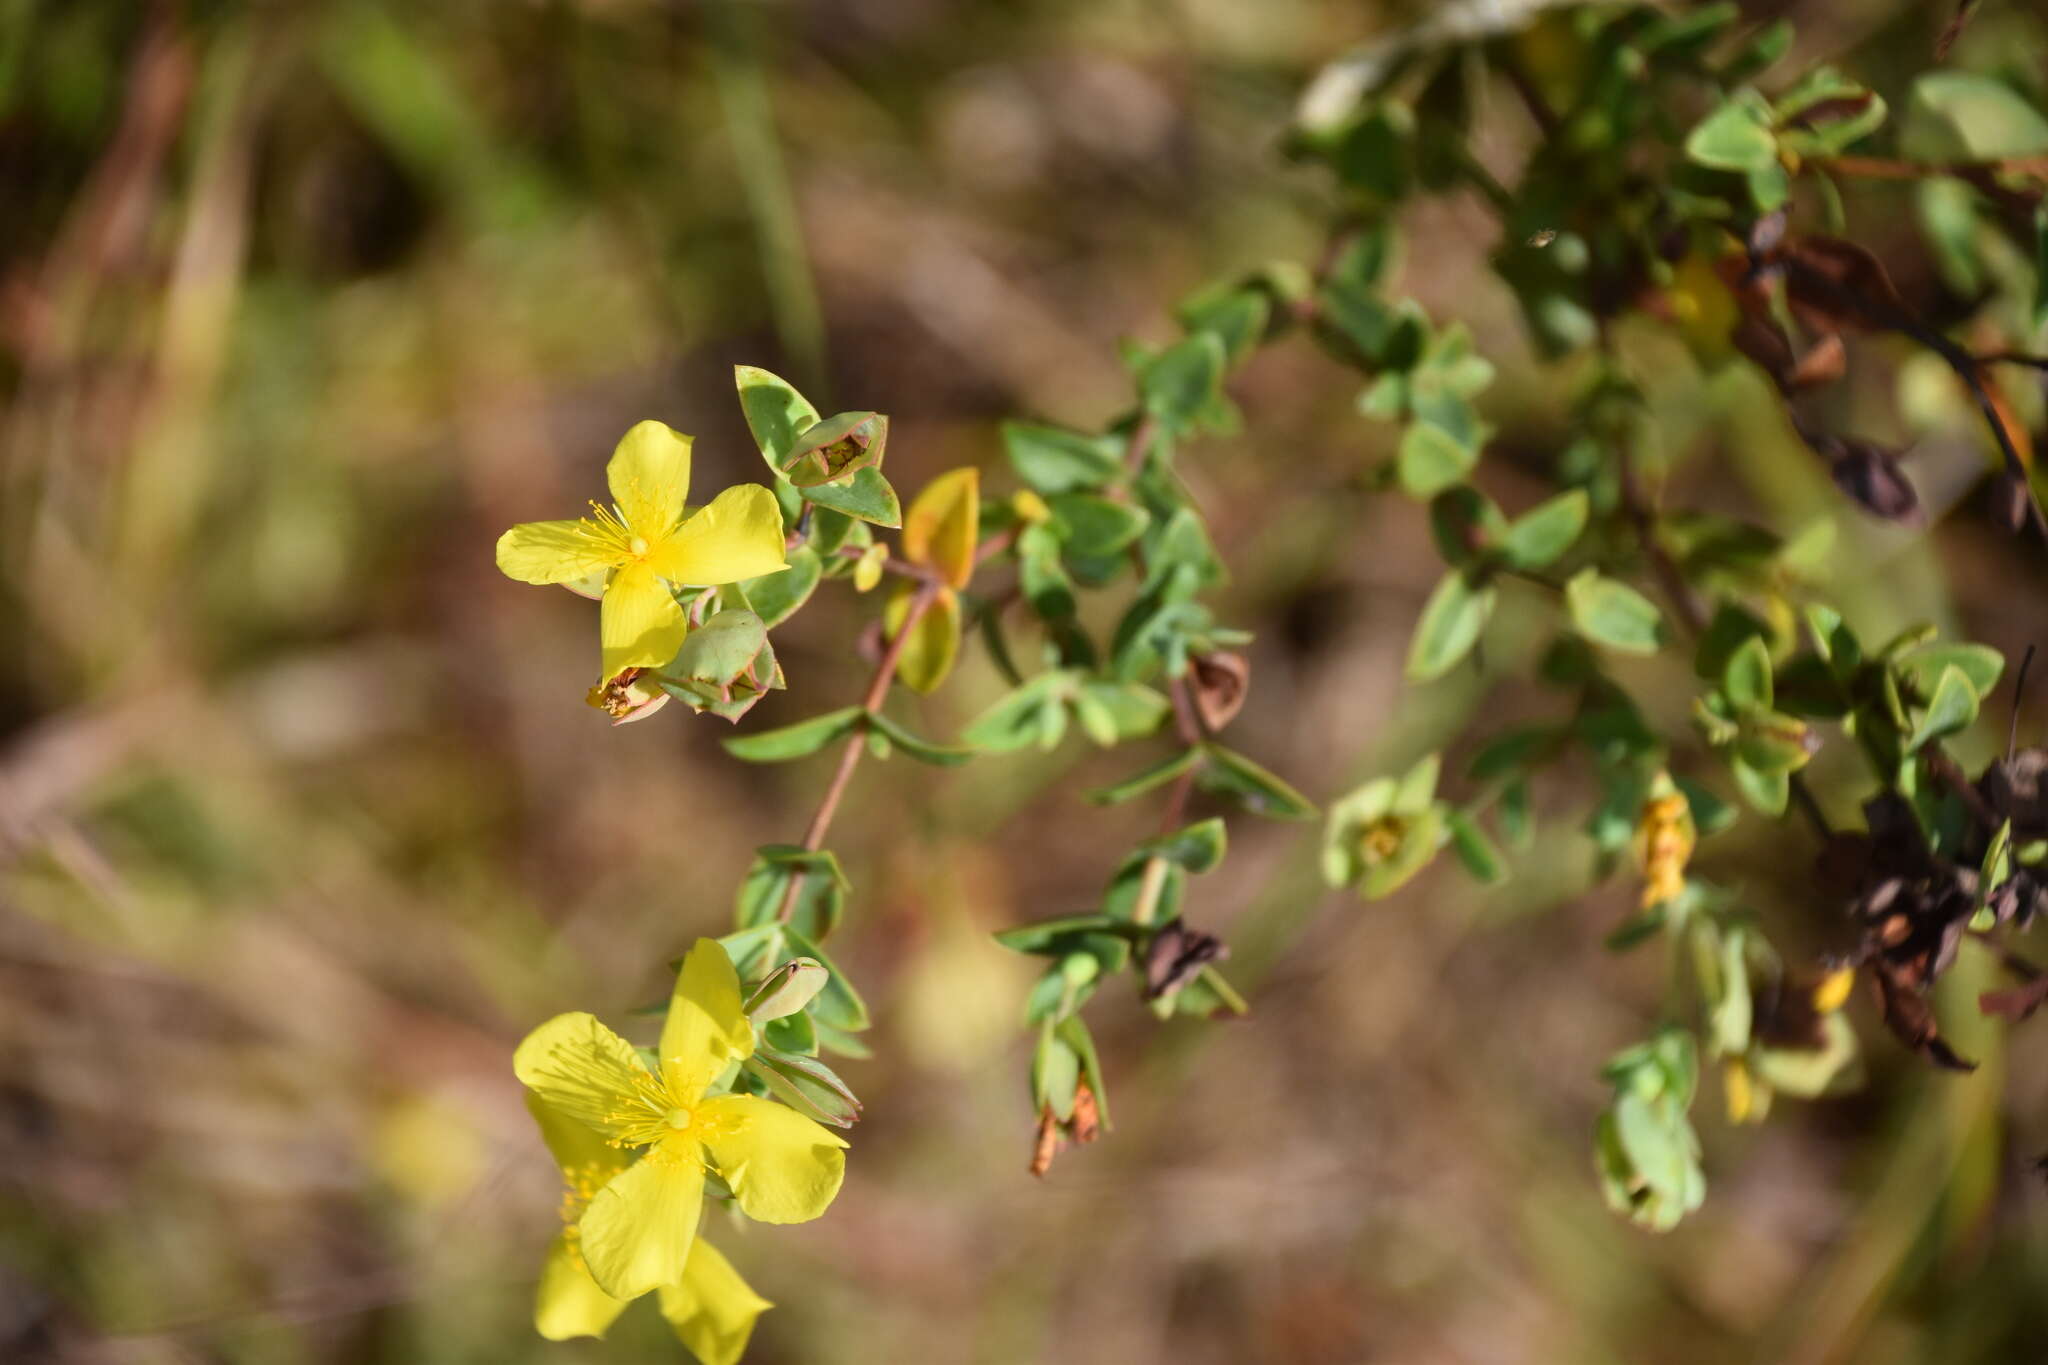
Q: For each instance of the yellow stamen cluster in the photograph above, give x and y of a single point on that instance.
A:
(1381, 839)
(655, 1112)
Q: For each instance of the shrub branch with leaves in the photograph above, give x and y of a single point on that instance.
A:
(1674, 182)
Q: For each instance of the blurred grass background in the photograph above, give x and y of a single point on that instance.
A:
(303, 823)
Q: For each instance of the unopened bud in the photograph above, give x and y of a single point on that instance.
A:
(788, 989)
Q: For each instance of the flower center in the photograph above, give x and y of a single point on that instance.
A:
(1381, 840)
(638, 545)
(679, 1119)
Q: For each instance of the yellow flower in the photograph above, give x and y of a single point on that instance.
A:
(646, 540)
(641, 1222)
(711, 1308)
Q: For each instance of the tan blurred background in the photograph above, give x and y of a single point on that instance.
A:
(303, 821)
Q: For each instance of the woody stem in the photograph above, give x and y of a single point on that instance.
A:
(849, 757)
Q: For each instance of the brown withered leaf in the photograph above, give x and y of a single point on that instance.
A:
(1087, 1121)
(2017, 1002)
(2013, 503)
(1870, 475)
(1824, 362)
(1767, 233)
(1047, 1145)
(1911, 1020)
(1835, 285)
(1219, 683)
(1832, 110)
(1765, 343)
(1175, 954)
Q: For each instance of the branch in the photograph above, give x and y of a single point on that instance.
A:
(849, 757)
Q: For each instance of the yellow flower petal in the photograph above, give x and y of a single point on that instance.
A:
(713, 1309)
(637, 1232)
(640, 625)
(555, 552)
(782, 1167)
(738, 536)
(581, 1069)
(568, 1302)
(575, 1145)
(649, 476)
(706, 1028)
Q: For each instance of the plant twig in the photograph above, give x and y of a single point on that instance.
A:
(849, 757)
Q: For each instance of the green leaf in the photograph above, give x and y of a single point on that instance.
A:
(1258, 791)
(1746, 681)
(1180, 383)
(1158, 775)
(1512, 750)
(1101, 936)
(1736, 136)
(1962, 115)
(1542, 534)
(1833, 1067)
(722, 648)
(1450, 625)
(800, 740)
(1731, 1010)
(820, 899)
(1020, 717)
(1198, 847)
(1981, 664)
(1613, 614)
(1517, 821)
(1055, 1071)
(775, 413)
(1094, 525)
(775, 597)
(1474, 849)
(1730, 629)
(1770, 742)
(1466, 525)
(1112, 712)
(1050, 460)
(1430, 459)
(1416, 791)
(1710, 814)
(1768, 792)
(867, 495)
(1638, 928)
(923, 750)
(1952, 708)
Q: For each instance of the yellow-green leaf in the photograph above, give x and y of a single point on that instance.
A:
(943, 523)
(934, 640)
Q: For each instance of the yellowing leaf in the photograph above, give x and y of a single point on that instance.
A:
(934, 639)
(943, 523)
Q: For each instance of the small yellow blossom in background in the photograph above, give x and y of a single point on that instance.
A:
(647, 540)
(711, 1308)
(1833, 990)
(1664, 844)
(641, 1221)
